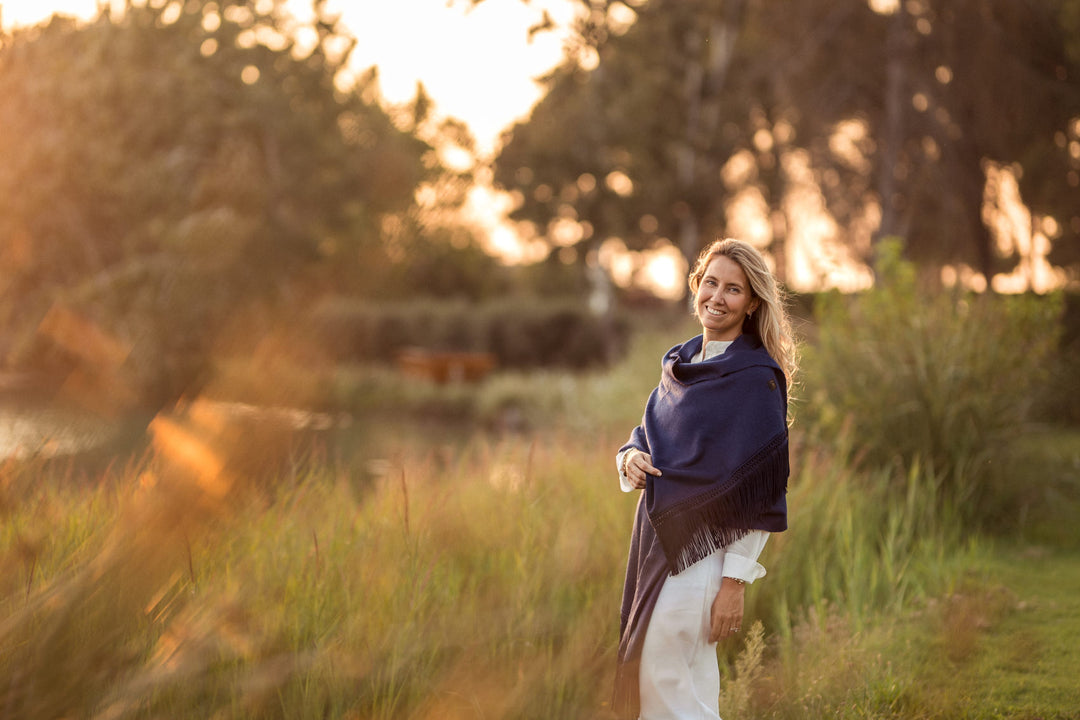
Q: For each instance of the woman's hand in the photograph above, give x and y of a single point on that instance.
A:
(638, 465)
(727, 610)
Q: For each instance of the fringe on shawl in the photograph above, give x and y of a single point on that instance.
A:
(697, 527)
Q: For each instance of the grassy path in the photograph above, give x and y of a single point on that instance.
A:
(1030, 664)
(1004, 644)
(1011, 650)
(1014, 651)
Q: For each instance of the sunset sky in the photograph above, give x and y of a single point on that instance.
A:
(477, 64)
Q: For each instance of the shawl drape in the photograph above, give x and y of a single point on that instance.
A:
(717, 431)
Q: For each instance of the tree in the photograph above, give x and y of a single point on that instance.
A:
(634, 148)
(167, 168)
(942, 89)
(702, 103)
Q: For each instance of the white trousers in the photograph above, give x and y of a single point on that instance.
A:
(680, 679)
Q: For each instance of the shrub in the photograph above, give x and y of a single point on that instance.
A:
(1057, 404)
(940, 378)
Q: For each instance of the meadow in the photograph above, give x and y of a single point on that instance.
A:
(418, 572)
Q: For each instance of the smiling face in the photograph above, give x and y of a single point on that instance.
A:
(723, 299)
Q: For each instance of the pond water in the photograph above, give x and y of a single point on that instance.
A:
(31, 428)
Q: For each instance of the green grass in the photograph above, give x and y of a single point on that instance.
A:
(988, 634)
(1021, 661)
(478, 575)
(483, 581)
(997, 646)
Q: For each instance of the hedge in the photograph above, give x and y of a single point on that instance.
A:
(520, 334)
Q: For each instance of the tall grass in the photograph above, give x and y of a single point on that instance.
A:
(224, 576)
(484, 579)
(479, 582)
(852, 545)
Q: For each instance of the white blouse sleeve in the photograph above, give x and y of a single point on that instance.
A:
(740, 557)
(624, 482)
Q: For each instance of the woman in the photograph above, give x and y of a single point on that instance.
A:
(711, 454)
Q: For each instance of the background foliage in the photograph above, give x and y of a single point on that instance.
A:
(178, 176)
(910, 373)
(171, 167)
(517, 333)
(892, 118)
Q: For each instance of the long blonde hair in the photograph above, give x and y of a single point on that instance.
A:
(770, 321)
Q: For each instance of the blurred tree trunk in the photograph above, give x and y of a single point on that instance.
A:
(893, 132)
(601, 288)
(710, 47)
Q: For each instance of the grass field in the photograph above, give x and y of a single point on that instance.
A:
(403, 577)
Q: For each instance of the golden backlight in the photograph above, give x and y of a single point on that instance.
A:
(478, 65)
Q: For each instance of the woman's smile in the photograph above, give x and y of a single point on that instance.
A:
(724, 299)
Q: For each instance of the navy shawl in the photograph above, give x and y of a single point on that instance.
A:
(717, 430)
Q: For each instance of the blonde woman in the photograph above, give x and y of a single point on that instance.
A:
(711, 455)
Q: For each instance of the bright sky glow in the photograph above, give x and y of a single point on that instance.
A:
(478, 65)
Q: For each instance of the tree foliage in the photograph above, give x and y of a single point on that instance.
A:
(165, 169)
(633, 148)
(701, 104)
(943, 89)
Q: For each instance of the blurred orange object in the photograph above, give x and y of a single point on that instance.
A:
(444, 366)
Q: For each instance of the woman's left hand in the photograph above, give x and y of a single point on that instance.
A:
(727, 610)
